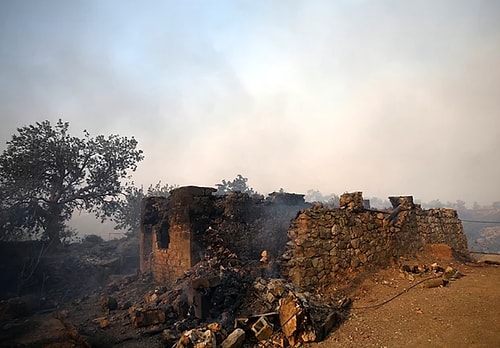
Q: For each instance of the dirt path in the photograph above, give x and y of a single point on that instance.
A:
(465, 313)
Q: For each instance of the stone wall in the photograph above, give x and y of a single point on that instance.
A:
(171, 229)
(442, 226)
(316, 245)
(327, 245)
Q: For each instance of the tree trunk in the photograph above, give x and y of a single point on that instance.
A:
(54, 226)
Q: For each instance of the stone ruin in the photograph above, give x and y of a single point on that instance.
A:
(177, 231)
(314, 245)
(278, 251)
(328, 245)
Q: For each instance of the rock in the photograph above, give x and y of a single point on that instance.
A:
(291, 316)
(235, 339)
(109, 303)
(198, 338)
(126, 305)
(151, 298)
(209, 340)
(199, 301)
(218, 330)
(205, 282)
(264, 256)
(141, 317)
(276, 287)
(355, 243)
(102, 321)
(435, 283)
(301, 321)
(169, 335)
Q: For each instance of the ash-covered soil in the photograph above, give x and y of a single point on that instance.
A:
(96, 299)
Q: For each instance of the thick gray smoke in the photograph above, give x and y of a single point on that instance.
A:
(384, 97)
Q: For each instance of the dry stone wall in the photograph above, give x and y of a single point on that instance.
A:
(327, 245)
(437, 226)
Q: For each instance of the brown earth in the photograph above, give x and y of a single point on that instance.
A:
(465, 313)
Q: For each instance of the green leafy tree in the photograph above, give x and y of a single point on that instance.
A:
(128, 215)
(45, 174)
(238, 184)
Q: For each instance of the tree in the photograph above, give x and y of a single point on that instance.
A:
(128, 215)
(331, 200)
(379, 203)
(45, 174)
(238, 184)
(460, 205)
(436, 203)
(314, 196)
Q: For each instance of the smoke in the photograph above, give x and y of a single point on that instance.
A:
(386, 98)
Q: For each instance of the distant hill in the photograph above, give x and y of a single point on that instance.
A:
(482, 228)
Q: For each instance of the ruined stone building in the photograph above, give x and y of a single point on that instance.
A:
(314, 245)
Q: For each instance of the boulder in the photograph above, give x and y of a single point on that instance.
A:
(235, 339)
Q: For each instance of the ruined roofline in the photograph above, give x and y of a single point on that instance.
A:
(289, 198)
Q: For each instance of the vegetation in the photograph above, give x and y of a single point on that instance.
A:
(45, 174)
(238, 184)
(332, 199)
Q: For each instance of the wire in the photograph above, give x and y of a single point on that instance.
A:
(398, 294)
(482, 222)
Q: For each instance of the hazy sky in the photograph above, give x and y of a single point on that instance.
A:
(386, 97)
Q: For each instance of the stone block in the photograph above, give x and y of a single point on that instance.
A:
(291, 316)
(199, 299)
(355, 243)
(235, 339)
(352, 201)
(102, 321)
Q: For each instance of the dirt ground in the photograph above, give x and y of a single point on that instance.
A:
(465, 313)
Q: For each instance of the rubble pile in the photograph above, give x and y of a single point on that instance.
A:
(291, 315)
(175, 231)
(273, 313)
(222, 301)
(431, 276)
